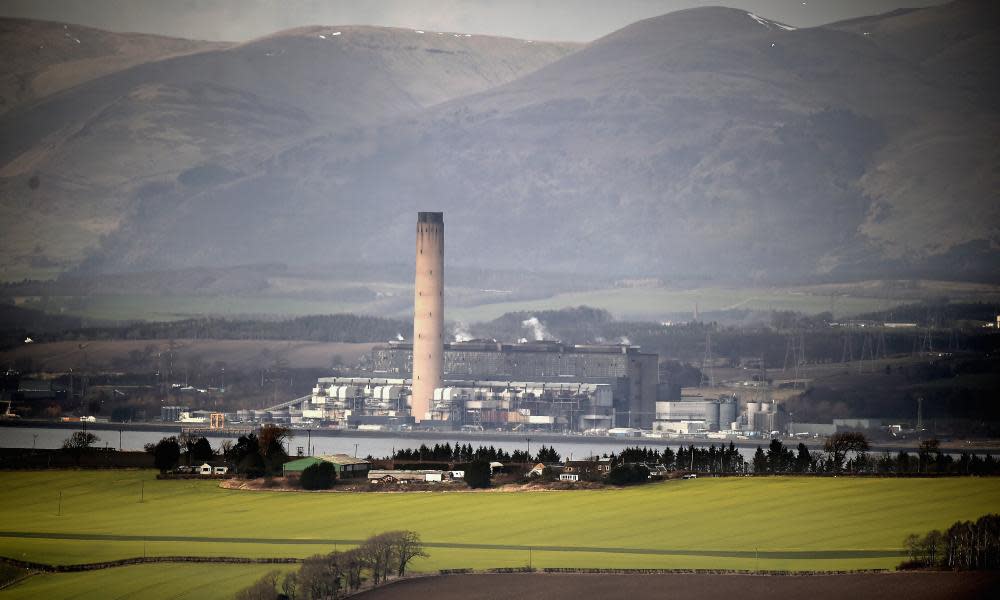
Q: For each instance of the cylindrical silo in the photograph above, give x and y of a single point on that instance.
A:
(727, 413)
(712, 415)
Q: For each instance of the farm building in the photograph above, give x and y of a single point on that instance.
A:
(401, 476)
(345, 465)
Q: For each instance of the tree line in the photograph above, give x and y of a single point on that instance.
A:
(724, 459)
(965, 546)
(253, 455)
(465, 453)
(848, 452)
(335, 575)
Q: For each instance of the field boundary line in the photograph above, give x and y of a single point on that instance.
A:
(777, 554)
(140, 560)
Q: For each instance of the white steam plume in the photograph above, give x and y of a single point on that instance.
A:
(537, 328)
(462, 332)
(624, 340)
(399, 337)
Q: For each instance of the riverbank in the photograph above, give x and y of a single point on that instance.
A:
(344, 440)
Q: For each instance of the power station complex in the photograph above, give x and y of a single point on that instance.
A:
(479, 384)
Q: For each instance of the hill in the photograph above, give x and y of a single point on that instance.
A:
(78, 164)
(41, 58)
(707, 142)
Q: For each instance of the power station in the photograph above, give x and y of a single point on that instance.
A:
(540, 384)
(428, 313)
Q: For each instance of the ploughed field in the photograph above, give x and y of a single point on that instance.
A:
(736, 523)
(552, 586)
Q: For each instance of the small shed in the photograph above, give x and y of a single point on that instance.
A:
(205, 469)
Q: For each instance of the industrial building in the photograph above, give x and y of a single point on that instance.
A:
(479, 384)
(764, 417)
(631, 375)
(556, 406)
(697, 414)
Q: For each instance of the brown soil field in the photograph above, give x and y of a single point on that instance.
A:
(574, 586)
(60, 357)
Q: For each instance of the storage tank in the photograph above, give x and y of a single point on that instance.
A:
(712, 415)
(727, 413)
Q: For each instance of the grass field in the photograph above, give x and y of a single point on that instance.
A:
(145, 581)
(773, 523)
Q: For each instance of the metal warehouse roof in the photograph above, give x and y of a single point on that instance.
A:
(342, 460)
(301, 464)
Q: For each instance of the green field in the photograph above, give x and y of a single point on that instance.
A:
(745, 523)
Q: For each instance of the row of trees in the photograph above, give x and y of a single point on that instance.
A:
(965, 546)
(465, 453)
(253, 455)
(259, 454)
(724, 459)
(337, 574)
(169, 451)
(849, 452)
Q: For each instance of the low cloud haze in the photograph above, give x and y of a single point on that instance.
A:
(582, 20)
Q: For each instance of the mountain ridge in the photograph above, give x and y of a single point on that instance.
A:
(708, 141)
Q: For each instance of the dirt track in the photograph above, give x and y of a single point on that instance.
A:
(911, 586)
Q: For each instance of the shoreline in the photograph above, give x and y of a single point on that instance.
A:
(951, 447)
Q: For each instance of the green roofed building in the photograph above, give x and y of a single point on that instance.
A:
(345, 465)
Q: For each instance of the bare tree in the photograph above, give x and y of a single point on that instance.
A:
(352, 563)
(290, 585)
(406, 546)
(379, 552)
(262, 589)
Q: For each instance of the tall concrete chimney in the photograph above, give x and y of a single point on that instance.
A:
(428, 313)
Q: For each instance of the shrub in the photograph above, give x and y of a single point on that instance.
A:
(627, 474)
(477, 474)
(319, 476)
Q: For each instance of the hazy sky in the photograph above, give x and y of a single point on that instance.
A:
(579, 20)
